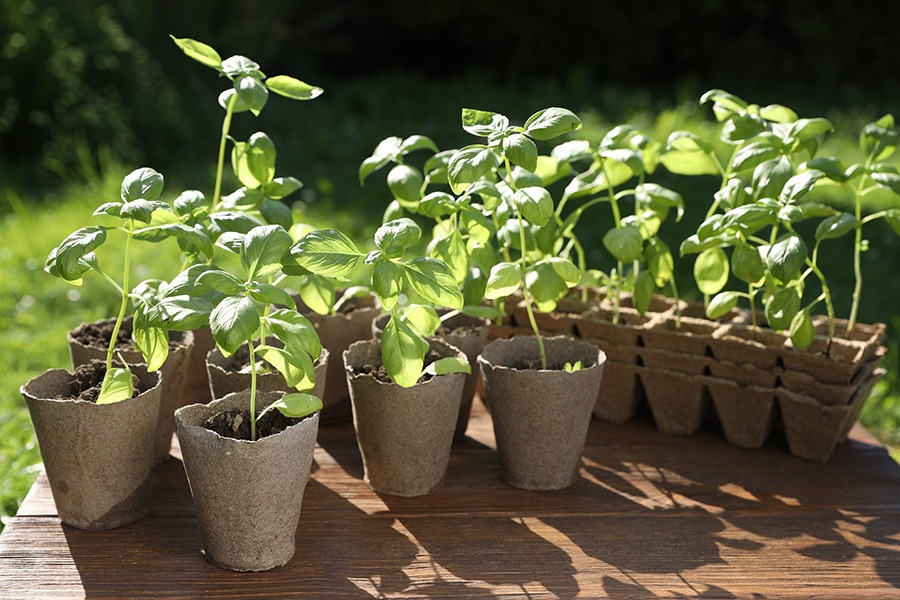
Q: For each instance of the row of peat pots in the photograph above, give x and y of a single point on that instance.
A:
(690, 369)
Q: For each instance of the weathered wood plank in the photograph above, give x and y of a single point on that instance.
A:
(653, 514)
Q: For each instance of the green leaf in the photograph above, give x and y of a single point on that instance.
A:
(711, 270)
(424, 319)
(203, 54)
(403, 352)
(112, 209)
(276, 213)
(237, 65)
(72, 249)
(230, 96)
(190, 202)
(180, 312)
(598, 178)
(387, 282)
(551, 122)
(802, 330)
(572, 150)
(447, 365)
(893, 219)
(270, 294)
(326, 252)
(786, 257)
(296, 367)
(835, 226)
(781, 307)
(434, 281)
(659, 198)
(263, 249)
(221, 281)
(252, 92)
(755, 153)
(687, 154)
(521, 151)
(143, 184)
(769, 177)
(625, 243)
(438, 204)
(233, 322)
(117, 385)
(535, 204)
(505, 278)
(294, 89)
(254, 161)
(394, 237)
(566, 269)
(725, 105)
(778, 113)
(281, 187)
(799, 185)
(483, 123)
(878, 140)
(234, 221)
(721, 304)
(660, 261)
(644, 288)
(417, 142)
(405, 182)
(747, 265)
(195, 238)
(808, 129)
(546, 285)
(740, 128)
(468, 165)
(317, 293)
(297, 405)
(452, 250)
(386, 151)
(480, 312)
(831, 166)
(294, 330)
(153, 342)
(888, 181)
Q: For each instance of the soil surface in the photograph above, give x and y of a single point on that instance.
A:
(381, 374)
(534, 364)
(461, 331)
(97, 335)
(87, 380)
(235, 424)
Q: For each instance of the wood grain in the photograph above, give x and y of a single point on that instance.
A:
(652, 515)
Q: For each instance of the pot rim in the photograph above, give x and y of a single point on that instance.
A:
(600, 360)
(432, 341)
(142, 366)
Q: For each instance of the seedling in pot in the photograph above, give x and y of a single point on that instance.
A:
(330, 253)
(138, 211)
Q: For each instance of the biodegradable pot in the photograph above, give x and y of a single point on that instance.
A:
(813, 429)
(756, 346)
(696, 310)
(173, 372)
(468, 334)
(679, 402)
(658, 304)
(541, 417)
(337, 332)
(551, 323)
(98, 458)
(867, 334)
(248, 494)
(683, 362)
(745, 375)
(223, 380)
(693, 336)
(196, 382)
(859, 400)
(621, 393)
(842, 364)
(404, 434)
(747, 413)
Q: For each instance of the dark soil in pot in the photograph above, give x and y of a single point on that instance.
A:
(541, 417)
(225, 376)
(90, 342)
(404, 434)
(248, 494)
(235, 424)
(98, 458)
(87, 381)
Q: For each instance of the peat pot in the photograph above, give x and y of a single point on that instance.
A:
(404, 434)
(98, 457)
(248, 494)
(541, 417)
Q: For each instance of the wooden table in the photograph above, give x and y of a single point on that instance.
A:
(652, 515)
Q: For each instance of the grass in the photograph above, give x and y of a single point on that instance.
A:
(36, 310)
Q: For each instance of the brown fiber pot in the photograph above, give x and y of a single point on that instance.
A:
(679, 402)
(471, 341)
(337, 332)
(98, 458)
(248, 494)
(223, 381)
(196, 381)
(747, 414)
(541, 417)
(621, 393)
(404, 434)
(173, 371)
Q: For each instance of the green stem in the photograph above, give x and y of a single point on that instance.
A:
(752, 296)
(223, 143)
(582, 264)
(252, 390)
(857, 255)
(124, 306)
(829, 306)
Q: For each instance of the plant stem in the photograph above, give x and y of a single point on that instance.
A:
(252, 390)
(617, 216)
(220, 164)
(829, 306)
(124, 306)
(752, 296)
(857, 255)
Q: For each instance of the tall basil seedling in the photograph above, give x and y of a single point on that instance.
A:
(543, 277)
(244, 314)
(139, 212)
(330, 253)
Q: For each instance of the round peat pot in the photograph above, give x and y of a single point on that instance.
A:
(469, 334)
(337, 332)
(404, 434)
(224, 380)
(541, 417)
(248, 494)
(174, 371)
(98, 457)
(196, 381)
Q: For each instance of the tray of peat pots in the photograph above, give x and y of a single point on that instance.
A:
(90, 341)
(745, 401)
(462, 331)
(339, 324)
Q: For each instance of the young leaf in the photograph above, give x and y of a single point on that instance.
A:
(252, 92)
(190, 202)
(296, 367)
(142, 184)
(276, 213)
(483, 123)
(747, 265)
(786, 257)
(878, 140)
(566, 269)
(625, 243)
(468, 165)
(835, 226)
(233, 322)
(799, 185)
(117, 385)
(781, 307)
(317, 293)
(387, 282)
(687, 154)
(644, 287)
(387, 150)
(521, 151)
(438, 204)
(659, 198)
(417, 142)
(153, 342)
(293, 88)
(802, 330)
(424, 319)
(296, 405)
(778, 113)
(770, 177)
(180, 313)
(237, 65)
(711, 270)
(294, 330)
(571, 368)
(203, 54)
(447, 365)
(452, 250)
(73, 249)
(326, 252)
(551, 122)
(505, 278)
(546, 285)
(263, 249)
(402, 352)
(270, 294)
(394, 237)
(659, 261)
(433, 280)
(721, 304)
(405, 183)
(755, 153)
(281, 187)
(535, 204)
